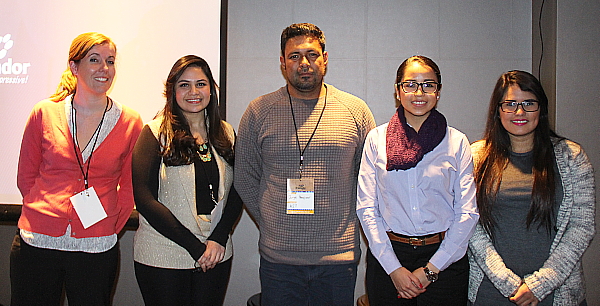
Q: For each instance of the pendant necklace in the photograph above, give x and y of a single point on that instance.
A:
(204, 152)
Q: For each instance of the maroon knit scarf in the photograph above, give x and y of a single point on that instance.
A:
(405, 147)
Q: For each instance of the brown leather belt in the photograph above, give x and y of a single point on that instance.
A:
(418, 241)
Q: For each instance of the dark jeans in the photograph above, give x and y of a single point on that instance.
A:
(451, 288)
(183, 287)
(291, 285)
(37, 275)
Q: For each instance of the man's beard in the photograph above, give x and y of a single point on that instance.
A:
(300, 84)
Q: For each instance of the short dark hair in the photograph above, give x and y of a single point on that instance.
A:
(302, 29)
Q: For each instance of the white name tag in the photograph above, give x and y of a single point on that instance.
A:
(88, 207)
(301, 196)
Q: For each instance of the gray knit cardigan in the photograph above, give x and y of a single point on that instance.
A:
(562, 271)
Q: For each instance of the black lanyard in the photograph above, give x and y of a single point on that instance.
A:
(296, 128)
(76, 144)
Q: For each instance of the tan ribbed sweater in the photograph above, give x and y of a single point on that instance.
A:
(267, 154)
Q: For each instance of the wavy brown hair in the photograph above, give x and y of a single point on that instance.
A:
(496, 152)
(178, 146)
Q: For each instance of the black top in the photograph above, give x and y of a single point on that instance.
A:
(207, 173)
(145, 169)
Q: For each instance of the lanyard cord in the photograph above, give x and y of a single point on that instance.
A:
(76, 144)
(296, 128)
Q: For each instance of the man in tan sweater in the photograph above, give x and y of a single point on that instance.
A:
(297, 158)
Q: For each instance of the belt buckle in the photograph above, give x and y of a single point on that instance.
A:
(416, 241)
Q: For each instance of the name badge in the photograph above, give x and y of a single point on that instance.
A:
(300, 196)
(88, 207)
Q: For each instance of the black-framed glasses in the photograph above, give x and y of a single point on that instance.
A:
(426, 87)
(511, 106)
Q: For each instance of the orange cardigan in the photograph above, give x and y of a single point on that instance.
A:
(48, 173)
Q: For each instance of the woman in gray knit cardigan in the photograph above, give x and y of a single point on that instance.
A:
(536, 200)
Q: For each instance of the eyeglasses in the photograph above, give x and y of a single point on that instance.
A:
(426, 87)
(510, 106)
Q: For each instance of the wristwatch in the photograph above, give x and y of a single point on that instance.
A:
(431, 276)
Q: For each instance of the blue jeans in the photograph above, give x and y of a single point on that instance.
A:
(312, 285)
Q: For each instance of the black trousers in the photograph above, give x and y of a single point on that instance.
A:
(183, 287)
(37, 276)
(451, 288)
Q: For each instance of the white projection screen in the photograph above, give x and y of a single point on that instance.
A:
(150, 36)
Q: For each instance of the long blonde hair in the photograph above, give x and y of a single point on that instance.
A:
(80, 46)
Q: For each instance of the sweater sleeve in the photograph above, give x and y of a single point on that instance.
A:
(248, 163)
(231, 213)
(125, 196)
(145, 168)
(576, 215)
(483, 252)
(492, 264)
(366, 122)
(30, 157)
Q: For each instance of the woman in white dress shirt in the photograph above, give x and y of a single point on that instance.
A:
(416, 198)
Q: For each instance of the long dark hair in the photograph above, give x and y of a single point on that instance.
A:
(178, 146)
(496, 152)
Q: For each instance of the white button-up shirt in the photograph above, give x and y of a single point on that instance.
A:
(435, 196)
